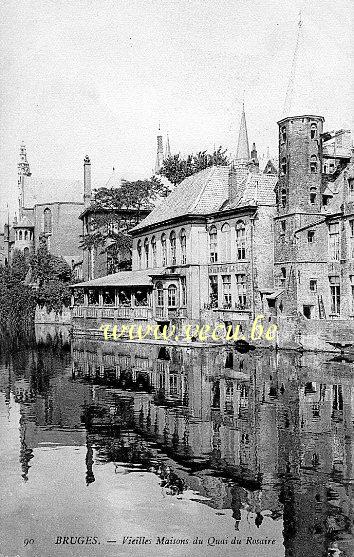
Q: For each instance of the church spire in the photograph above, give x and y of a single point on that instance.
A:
(23, 169)
(243, 150)
(159, 155)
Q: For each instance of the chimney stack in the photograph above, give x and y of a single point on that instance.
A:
(87, 182)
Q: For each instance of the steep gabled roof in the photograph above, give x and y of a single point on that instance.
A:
(199, 194)
(258, 189)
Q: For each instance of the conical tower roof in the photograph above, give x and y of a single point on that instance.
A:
(243, 150)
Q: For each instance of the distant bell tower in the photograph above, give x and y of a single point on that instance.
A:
(23, 169)
(300, 164)
(159, 155)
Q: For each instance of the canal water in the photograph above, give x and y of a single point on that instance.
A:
(148, 450)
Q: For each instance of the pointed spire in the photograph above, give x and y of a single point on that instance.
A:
(159, 155)
(168, 149)
(243, 151)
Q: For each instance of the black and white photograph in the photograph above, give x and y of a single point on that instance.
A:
(176, 278)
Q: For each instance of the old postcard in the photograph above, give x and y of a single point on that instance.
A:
(176, 278)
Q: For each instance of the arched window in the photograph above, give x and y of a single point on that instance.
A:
(283, 166)
(20, 235)
(47, 221)
(183, 241)
(283, 198)
(226, 241)
(241, 240)
(164, 249)
(172, 295)
(173, 247)
(159, 294)
(313, 192)
(139, 250)
(213, 238)
(282, 276)
(313, 130)
(153, 249)
(16, 234)
(283, 134)
(313, 163)
(26, 234)
(26, 253)
(146, 250)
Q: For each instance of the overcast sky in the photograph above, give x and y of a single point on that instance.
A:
(97, 76)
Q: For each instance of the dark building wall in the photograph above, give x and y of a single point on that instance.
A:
(66, 230)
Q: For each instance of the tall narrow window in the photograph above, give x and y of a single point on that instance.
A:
(334, 247)
(47, 221)
(283, 198)
(351, 189)
(146, 250)
(173, 247)
(226, 241)
(313, 130)
(313, 195)
(184, 291)
(153, 249)
(283, 166)
(241, 240)
(164, 249)
(310, 236)
(226, 291)
(139, 252)
(159, 294)
(352, 292)
(213, 238)
(351, 239)
(213, 281)
(282, 276)
(241, 290)
(283, 134)
(172, 295)
(20, 235)
(26, 234)
(335, 294)
(26, 253)
(313, 163)
(183, 241)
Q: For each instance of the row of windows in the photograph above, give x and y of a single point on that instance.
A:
(169, 257)
(172, 298)
(284, 197)
(220, 246)
(24, 235)
(313, 132)
(240, 230)
(241, 300)
(313, 165)
(333, 239)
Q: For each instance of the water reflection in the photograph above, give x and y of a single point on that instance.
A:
(263, 439)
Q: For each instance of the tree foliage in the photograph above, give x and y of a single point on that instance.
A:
(114, 211)
(177, 169)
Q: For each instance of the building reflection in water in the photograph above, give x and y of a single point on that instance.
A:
(265, 433)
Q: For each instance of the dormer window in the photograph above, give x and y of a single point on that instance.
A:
(313, 130)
